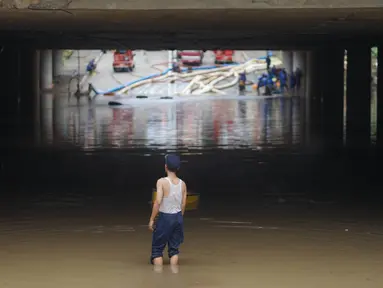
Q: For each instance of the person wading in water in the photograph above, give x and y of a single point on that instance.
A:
(170, 206)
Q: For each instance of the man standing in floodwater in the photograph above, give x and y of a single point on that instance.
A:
(170, 206)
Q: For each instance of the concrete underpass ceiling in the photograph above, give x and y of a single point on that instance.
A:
(212, 28)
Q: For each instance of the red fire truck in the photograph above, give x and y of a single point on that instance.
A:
(224, 56)
(123, 60)
(191, 57)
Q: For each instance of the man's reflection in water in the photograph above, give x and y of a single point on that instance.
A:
(174, 269)
(158, 268)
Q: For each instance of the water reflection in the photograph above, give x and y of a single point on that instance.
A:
(195, 124)
(223, 123)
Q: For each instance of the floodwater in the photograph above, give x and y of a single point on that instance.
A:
(274, 212)
(180, 124)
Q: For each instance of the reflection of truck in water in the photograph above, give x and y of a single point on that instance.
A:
(123, 60)
(223, 56)
(191, 57)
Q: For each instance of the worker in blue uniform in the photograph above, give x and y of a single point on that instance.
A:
(242, 81)
(261, 82)
(274, 71)
(91, 67)
(176, 67)
(298, 76)
(269, 85)
(293, 82)
(265, 80)
(283, 80)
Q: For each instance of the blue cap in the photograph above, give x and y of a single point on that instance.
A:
(173, 162)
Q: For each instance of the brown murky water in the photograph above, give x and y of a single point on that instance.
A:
(76, 209)
(266, 250)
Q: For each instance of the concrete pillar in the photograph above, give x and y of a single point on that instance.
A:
(314, 97)
(29, 94)
(46, 72)
(57, 63)
(47, 100)
(379, 136)
(309, 73)
(299, 60)
(9, 83)
(287, 60)
(306, 99)
(332, 90)
(358, 128)
(36, 96)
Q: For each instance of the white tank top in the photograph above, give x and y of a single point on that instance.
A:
(173, 202)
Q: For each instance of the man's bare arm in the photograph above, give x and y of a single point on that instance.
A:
(184, 197)
(157, 202)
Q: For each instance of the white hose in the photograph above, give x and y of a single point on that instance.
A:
(205, 81)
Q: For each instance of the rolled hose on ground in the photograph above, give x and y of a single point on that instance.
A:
(149, 79)
(118, 88)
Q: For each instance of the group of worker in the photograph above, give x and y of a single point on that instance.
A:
(278, 80)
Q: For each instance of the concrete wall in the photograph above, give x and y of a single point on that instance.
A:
(187, 4)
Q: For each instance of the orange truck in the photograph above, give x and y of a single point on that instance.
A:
(123, 60)
(223, 56)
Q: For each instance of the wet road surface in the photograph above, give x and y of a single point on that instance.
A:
(149, 63)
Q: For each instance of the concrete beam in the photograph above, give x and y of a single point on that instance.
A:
(281, 21)
(185, 4)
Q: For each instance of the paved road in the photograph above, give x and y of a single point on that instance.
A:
(71, 65)
(148, 63)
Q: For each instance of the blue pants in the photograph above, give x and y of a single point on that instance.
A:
(169, 231)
